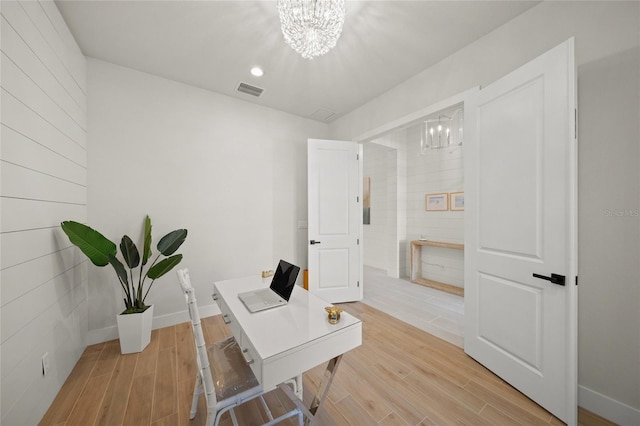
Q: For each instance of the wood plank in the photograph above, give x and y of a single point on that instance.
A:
(185, 396)
(70, 392)
(108, 359)
(400, 375)
(140, 401)
(186, 368)
(165, 400)
(86, 410)
(440, 286)
(587, 418)
(148, 358)
(167, 337)
(116, 397)
(438, 244)
(354, 412)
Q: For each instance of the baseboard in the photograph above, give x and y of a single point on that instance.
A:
(607, 407)
(111, 333)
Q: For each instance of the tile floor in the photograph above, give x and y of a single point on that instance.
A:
(436, 312)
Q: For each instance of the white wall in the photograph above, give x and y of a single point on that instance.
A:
(437, 171)
(375, 235)
(607, 42)
(43, 169)
(231, 172)
(385, 161)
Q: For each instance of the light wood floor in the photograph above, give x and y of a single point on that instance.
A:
(400, 375)
(436, 312)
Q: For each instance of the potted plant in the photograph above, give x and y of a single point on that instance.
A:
(134, 323)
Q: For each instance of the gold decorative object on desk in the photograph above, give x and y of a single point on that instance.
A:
(334, 314)
(266, 274)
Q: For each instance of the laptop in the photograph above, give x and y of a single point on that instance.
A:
(277, 294)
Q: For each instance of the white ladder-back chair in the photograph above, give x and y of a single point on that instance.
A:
(224, 376)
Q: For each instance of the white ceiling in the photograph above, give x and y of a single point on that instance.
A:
(213, 45)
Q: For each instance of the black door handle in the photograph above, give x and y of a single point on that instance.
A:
(554, 278)
(312, 242)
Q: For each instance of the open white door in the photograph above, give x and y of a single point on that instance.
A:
(521, 226)
(335, 220)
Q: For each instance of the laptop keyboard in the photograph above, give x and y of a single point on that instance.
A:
(270, 297)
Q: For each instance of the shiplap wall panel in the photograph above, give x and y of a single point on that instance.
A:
(24, 386)
(30, 245)
(19, 312)
(25, 277)
(22, 182)
(398, 200)
(20, 215)
(18, 149)
(16, 50)
(19, 118)
(70, 54)
(43, 178)
(22, 87)
(16, 16)
(438, 171)
(29, 338)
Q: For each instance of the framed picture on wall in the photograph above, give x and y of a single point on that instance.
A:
(366, 205)
(457, 200)
(436, 202)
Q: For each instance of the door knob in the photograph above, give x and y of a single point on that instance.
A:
(312, 242)
(554, 278)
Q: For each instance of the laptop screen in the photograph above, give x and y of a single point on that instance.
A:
(284, 279)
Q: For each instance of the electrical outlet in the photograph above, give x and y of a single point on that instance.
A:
(45, 364)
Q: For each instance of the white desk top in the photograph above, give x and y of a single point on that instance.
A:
(277, 330)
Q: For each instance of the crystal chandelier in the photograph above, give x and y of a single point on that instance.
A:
(311, 27)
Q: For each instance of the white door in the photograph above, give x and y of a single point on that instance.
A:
(520, 227)
(335, 220)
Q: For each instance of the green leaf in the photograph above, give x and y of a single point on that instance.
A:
(119, 267)
(164, 266)
(146, 251)
(93, 244)
(172, 242)
(129, 252)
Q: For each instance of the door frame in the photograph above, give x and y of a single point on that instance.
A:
(572, 305)
(412, 119)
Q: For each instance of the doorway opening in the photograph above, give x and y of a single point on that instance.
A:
(403, 169)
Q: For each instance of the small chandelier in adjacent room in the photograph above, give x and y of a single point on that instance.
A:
(311, 27)
(441, 131)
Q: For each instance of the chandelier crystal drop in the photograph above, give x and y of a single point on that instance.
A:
(311, 27)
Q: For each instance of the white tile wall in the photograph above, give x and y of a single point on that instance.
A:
(43, 172)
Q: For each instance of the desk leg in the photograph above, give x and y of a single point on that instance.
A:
(295, 383)
(323, 389)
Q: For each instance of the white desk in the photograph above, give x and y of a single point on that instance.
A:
(282, 343)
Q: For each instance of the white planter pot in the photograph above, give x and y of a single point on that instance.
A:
(134, 331)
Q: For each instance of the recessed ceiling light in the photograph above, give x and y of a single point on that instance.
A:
(257, 72)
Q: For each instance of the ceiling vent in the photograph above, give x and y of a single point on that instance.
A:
(322, 114)
(249, 89)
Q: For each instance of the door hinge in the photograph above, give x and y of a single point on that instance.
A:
(576, 280)
(358, 283)
(358, 241)
(357, 198)
(357, 156)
